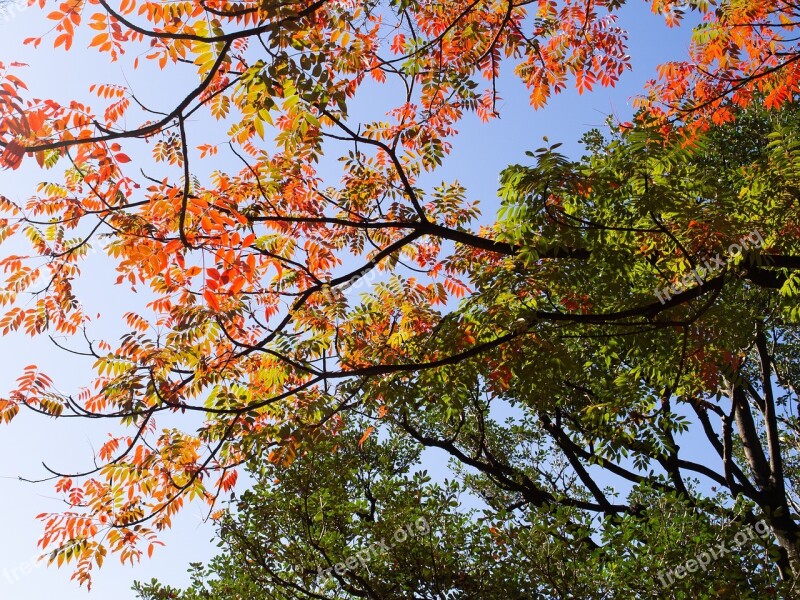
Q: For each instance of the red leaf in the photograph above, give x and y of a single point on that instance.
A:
(12, 155)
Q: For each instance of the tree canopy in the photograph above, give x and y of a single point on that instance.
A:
(615, 304)
(594, 455)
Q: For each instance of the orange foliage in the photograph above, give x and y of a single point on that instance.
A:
(251, 317)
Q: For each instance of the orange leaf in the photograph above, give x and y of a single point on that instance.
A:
(364, 437)
(212, 299)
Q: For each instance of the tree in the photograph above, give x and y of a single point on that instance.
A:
(599, 406)
(250, 325)
(350, 501)
(410, 540)
(743, 50)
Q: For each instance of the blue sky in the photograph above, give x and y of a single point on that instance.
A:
(480, 152)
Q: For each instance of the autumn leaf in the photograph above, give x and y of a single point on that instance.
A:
(364, 437)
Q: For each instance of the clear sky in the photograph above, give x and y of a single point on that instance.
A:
(480, 152)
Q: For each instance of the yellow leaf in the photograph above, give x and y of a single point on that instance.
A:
(259, 127)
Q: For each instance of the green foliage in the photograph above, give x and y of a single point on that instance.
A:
(610, 439)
